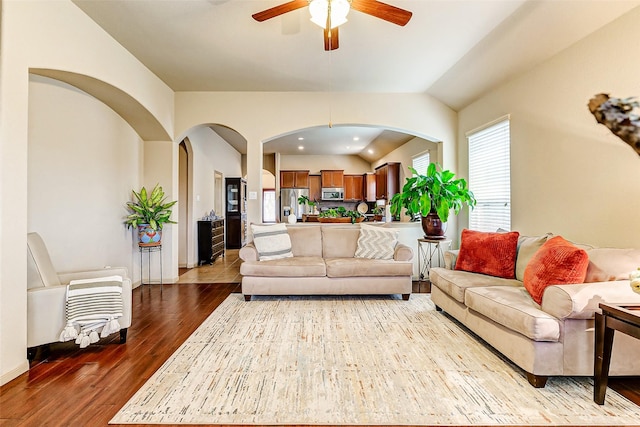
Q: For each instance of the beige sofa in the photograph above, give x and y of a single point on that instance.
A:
(323, 263)
(555, 338)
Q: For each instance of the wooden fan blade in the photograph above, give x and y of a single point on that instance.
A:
(279, 10)
(331, 39)
(383, 11)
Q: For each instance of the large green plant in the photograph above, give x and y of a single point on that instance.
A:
(149, 209)
(437, 191)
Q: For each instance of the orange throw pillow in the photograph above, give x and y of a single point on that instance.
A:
(557, 262)
(493, 254)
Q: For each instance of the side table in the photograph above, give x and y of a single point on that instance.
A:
(614, 317)
(148, 250)
(429, 251)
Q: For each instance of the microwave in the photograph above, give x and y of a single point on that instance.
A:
(333, 194)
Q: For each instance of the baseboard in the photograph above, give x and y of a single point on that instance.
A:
(15, 373)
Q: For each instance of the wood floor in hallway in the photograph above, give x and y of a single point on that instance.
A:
(73, 387)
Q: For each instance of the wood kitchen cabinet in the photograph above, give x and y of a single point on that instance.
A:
(369, 187)
(332, 178)
(353, 187)
(315, 187)
(387, 180)
(294, 179)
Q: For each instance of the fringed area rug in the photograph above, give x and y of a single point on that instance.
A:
(353, 360)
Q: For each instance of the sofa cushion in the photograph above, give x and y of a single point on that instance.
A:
(365, 267)
(557, 262)
(606, 264)
(306, 240)
(376, 242)
(527, 247)
(455, 282)
(285, 267)
(493, 254)
(271, 241)
(513, 308)
(339, 242)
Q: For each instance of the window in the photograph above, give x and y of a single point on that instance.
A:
(420, 162)
(490, 176)
(268, 205)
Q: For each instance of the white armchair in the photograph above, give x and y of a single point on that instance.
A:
(46, 296)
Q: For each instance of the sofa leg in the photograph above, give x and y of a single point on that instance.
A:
(406, 297)
(247, 297)
(123, 335)
(538, 381)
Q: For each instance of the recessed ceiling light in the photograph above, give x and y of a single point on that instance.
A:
(300, 147)
(300, 138)
(356, 138)
(347, 147)
(370, 151)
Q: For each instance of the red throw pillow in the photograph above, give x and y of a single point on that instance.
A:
(557, 262)
(493, 254)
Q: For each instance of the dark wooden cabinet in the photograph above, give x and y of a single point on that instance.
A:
(332, 178)
(210, 240)
(387, 180)
(294, 179)
(370, 187)
(236, 213)
(353, 187)
(315, 188)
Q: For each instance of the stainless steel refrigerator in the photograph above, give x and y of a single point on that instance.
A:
(289, 202)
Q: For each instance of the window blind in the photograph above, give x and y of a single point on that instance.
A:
(490, 177)
(420, 162)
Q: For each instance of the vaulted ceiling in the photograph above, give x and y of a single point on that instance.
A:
(453, 50)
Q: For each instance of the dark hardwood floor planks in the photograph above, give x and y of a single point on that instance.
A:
(73, 387)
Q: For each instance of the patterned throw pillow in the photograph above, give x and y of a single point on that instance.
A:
(557, 262)
(271, 241)
(493, 254)
(376, 242)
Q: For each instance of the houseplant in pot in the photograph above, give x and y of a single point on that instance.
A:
(149, 213)
(431, 197)
(340, 214)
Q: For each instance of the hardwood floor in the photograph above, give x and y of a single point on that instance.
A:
(73, 387)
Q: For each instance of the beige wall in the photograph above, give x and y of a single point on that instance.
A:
(422, 115)
(314, 164)
(570, 175)
(56, 35)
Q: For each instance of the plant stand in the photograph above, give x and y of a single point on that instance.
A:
(148, 250)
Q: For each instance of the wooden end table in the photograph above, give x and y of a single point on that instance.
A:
(614, 317)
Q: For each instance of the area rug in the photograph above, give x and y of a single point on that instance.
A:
(353, 360)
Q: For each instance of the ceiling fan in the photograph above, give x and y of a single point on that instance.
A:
(329, 14)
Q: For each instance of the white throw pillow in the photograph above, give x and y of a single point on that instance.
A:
(271, 241)
(376, 242)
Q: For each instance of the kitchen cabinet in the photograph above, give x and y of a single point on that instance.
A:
(370, 187)
(387, 180)
(294, 179)
(353, 187)
(332, 178)
(315, 187)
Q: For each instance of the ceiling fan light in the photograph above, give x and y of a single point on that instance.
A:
(319, 9)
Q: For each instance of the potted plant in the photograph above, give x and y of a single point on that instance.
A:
(432, 197)
(304, 200)
(377, 213)
(149, 213)
(340, 214)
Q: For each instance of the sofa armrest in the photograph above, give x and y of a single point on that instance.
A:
(450, 258)
(402, 253)
(580, 301)
(249, 252)
(65, 278)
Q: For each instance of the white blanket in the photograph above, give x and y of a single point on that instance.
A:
(93, 305)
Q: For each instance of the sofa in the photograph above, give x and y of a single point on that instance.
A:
(554, 337)
(324, 259)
